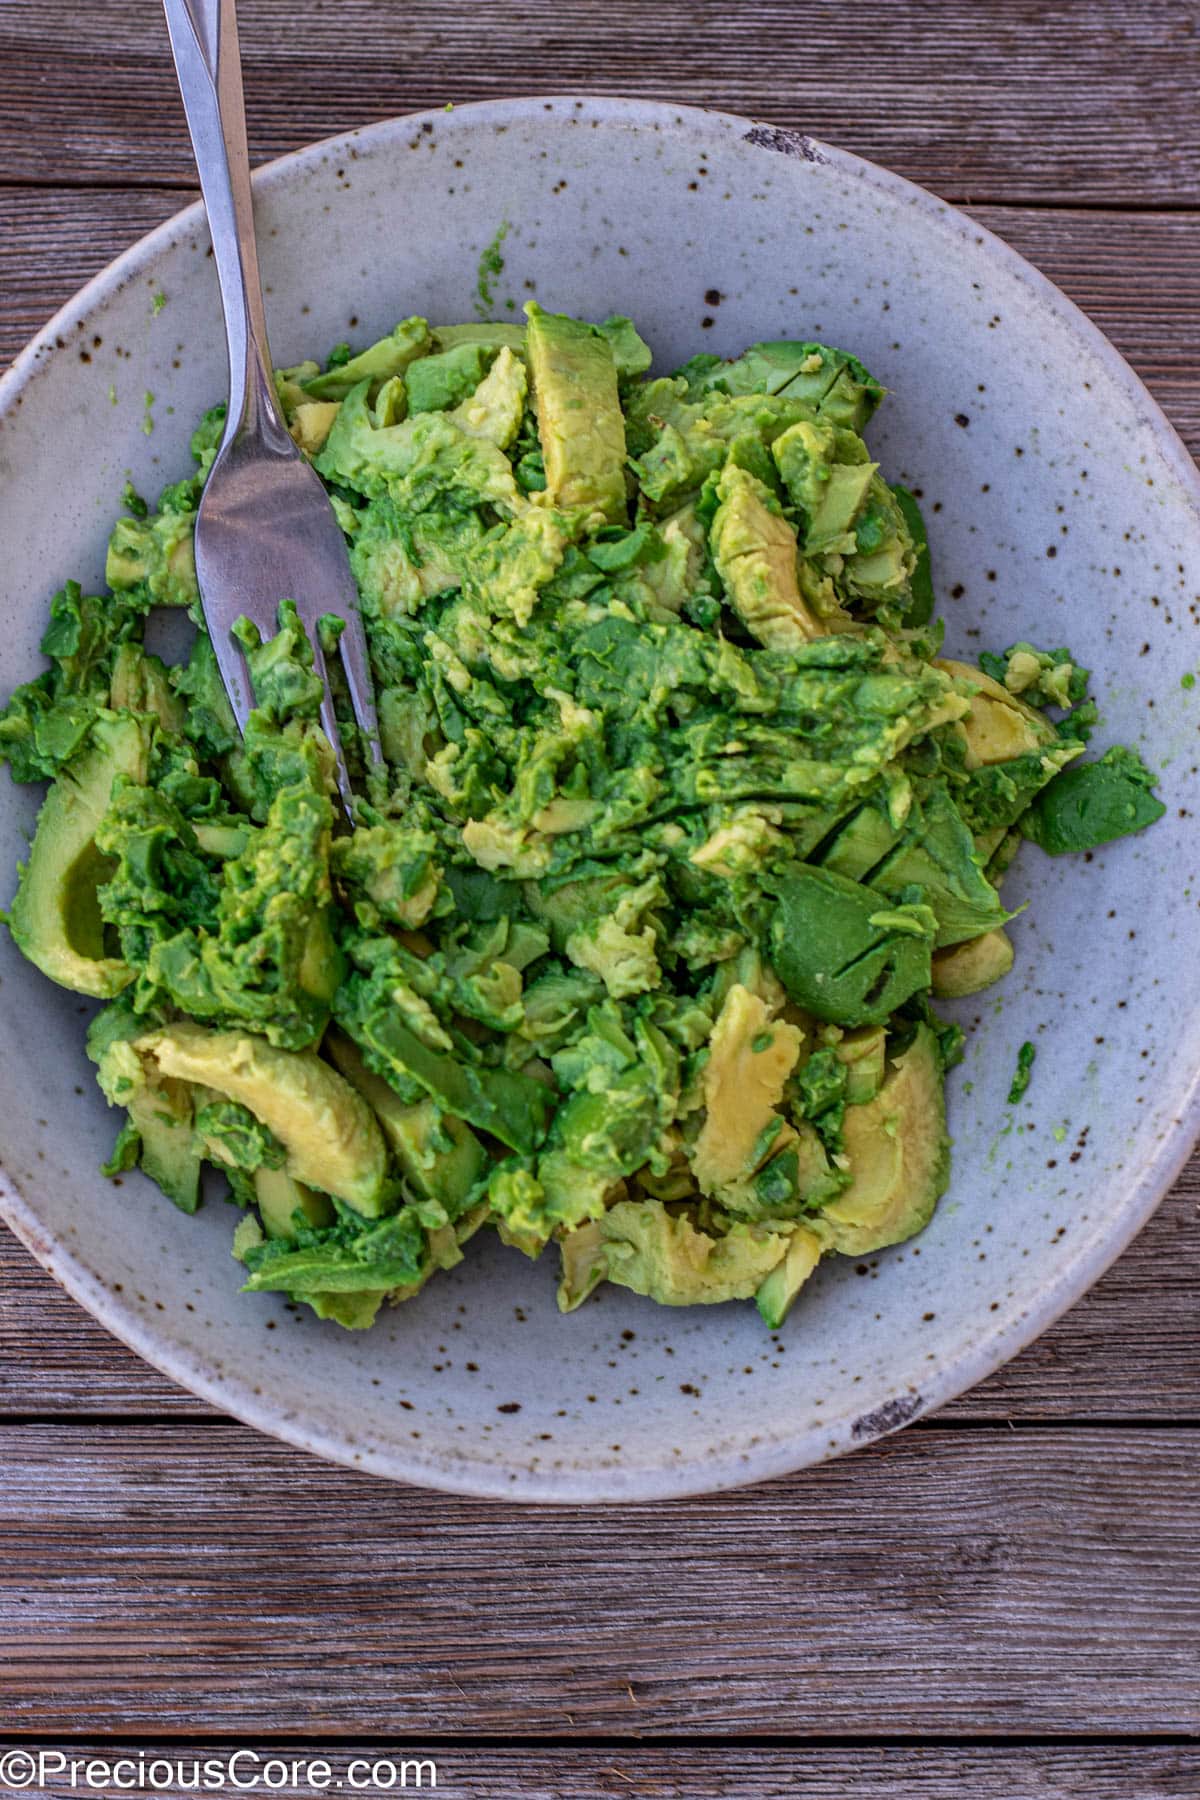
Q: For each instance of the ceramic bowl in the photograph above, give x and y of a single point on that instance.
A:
(1062, 509)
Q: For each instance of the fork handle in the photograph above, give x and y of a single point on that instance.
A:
(204, 43)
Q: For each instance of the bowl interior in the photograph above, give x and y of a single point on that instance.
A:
(1061, 508)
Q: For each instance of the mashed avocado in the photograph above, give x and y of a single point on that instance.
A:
(629, 946)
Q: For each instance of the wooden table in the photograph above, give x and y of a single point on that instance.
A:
(1003, 1601)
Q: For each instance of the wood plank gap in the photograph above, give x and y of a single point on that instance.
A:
(1036, 203)
(956, 1422)
(336, 1743)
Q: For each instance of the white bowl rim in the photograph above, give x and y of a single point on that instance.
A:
(980, 1358)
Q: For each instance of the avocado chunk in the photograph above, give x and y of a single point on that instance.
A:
(879, 569)
(156, 554)
(1094, 803)
(774, 1298)
(328, 1131)
(311, 423)
(375, 365)
(436, 382)
(350, 1257)
(580, 422)
(755, 550)
(750, 1057)
(861, 843)
(631, 352)
(161, 1110)
(418, 462)
(921, 605)
(495, 409)
(439, 1155)
(55, 918)
(510, 1106)
(280, 1197)
(140, 684)
(827, 473)
(666, 1256)
(937, 855)
(399, 563)
(899, 1155)
(863, 1054)
(831, 381)
(584, 1264)
(966, 968)
(843, 952)
(999, 726)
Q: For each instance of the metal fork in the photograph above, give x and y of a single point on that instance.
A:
(265, 530)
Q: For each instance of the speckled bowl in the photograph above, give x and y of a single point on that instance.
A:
(1062, 508)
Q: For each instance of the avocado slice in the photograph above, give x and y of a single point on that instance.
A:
(774, 1298)
(499, 336)
(139, 683)
(55, 918)
(899, 1155)
(920, 608)
(441, 1157)
(965, 968)
(755, 550)
(861, 843)
(580, 422)
(330, 1135)
(375, 365)
(881, 566)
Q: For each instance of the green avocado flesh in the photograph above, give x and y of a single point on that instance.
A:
(630, 944)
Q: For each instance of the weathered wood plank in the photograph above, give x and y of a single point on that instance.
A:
(183, 1582)
(1137, 276)
(636, 1772)
(1130, 1349)
(1075, 100)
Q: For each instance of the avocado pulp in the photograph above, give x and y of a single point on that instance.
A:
(682, 818)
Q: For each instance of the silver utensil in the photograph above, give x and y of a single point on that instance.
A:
(265, 530)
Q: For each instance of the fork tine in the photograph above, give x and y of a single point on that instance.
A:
(234, 672)
(329, 726)
(355, 662)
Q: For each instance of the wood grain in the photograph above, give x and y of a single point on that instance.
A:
(185, 1583)
(1083, 100)
(637, 1772)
